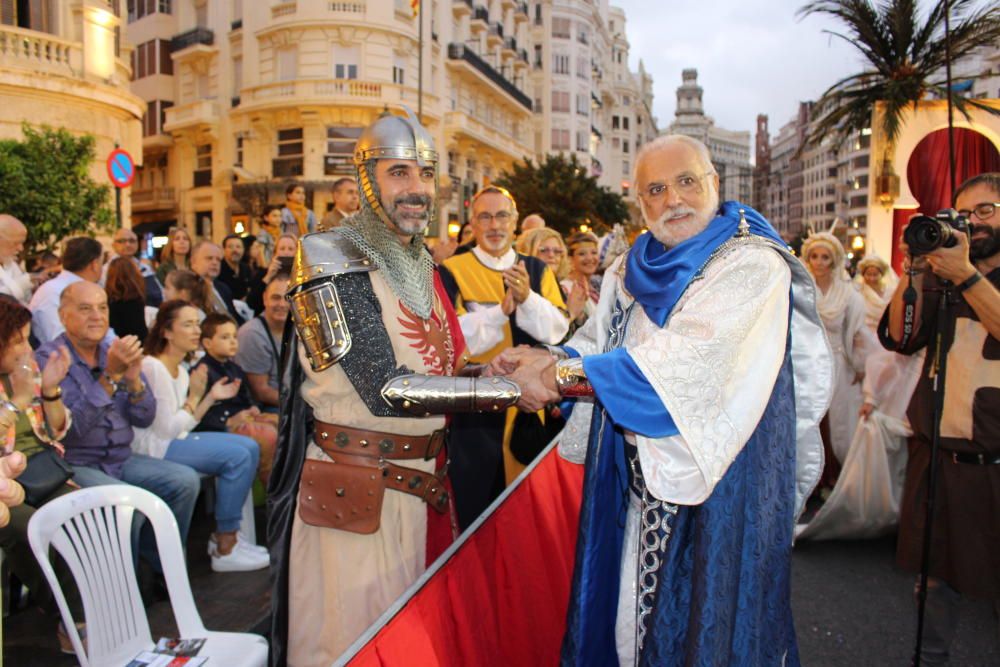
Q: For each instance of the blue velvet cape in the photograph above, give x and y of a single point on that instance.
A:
(723, 594)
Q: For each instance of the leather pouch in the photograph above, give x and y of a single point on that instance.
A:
(341, 496)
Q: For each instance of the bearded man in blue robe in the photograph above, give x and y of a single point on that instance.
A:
(701, 381)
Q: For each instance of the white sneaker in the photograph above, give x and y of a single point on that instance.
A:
(241, 543)
(239, 560)
(247, 544)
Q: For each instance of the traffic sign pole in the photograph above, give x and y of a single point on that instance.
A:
(121, 171)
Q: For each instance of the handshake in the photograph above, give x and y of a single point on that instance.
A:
(533, 369)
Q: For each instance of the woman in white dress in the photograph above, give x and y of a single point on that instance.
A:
(877, 282)
(843, 312)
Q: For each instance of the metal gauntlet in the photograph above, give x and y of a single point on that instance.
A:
(436, 394)
(571, 379)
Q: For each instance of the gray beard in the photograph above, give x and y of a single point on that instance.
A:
(408, 269)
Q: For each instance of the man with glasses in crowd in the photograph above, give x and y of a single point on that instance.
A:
(126, 244)
(692, 487)
(965, 551)
(502, 299)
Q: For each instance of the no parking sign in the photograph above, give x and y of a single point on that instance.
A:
(121, 168)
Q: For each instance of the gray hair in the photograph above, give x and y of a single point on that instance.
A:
(665, 140)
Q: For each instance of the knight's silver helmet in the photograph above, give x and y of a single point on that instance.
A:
(391, 136)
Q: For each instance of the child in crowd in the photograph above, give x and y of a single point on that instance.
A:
(238, 414)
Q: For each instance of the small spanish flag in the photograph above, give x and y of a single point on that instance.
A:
(415, 4)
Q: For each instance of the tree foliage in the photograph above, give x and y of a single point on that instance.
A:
(562, 192)
(44, 182)
(904, 59)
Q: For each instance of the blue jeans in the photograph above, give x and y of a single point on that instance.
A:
(177, 485)
(232, 459)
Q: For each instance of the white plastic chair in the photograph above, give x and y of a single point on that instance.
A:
(91, 529)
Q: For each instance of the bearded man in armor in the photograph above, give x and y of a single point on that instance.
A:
(358, 500)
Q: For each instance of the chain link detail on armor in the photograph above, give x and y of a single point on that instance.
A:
(409, 269)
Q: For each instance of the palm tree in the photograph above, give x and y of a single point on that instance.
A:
(905, 60)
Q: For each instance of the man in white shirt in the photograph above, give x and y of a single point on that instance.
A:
(502, 299)
(14, 282)
(81, 261)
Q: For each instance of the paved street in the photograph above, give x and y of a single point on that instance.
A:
(852, 609)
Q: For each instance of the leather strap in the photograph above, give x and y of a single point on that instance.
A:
(335, 439)
(970, 458)
(428, 487)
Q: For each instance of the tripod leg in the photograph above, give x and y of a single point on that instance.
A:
(940, 621)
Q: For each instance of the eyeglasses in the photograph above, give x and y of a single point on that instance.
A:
(685, 184)
(551, 251)
(503, 217)
(983, 211)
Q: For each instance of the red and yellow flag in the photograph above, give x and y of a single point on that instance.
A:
(415, 5)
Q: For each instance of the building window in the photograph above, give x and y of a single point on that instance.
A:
(203, 166)
(581, 33)
(561, 27)
(152, 121)
(538, 56)
(560, 63)
(288, 63)
(238, 161)
(583, 104)
(398, 69)
(625, 168)
(560, 101)
(624, 122)
(152, 57)
(560, 139)
(345, 62)
(582, 141)
(340, 150)
(138, 9)
(290, 152)
(614, 122)
(582, 68)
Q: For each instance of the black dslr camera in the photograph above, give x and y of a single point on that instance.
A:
(925, 234)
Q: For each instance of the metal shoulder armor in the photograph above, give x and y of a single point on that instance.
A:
(315, 305)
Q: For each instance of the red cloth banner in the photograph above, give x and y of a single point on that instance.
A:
(501, 598)
(927, 174)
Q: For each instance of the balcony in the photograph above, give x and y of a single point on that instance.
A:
(507, 4)
(192, 115)
(521, 12)
(494, 37)
(191, 38)
(153, 199)
(325, 92)
(459, 52)
(479, 20)
(460, 8)
(39, 52)
(510, 47)
(236, 25)
(283, 9)
(476, 131)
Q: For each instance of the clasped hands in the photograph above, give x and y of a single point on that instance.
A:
(533, 370)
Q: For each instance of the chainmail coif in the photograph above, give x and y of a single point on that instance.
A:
(409, 269)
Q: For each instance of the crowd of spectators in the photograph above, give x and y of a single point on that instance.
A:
(158, 374)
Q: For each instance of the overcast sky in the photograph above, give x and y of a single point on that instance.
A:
(752, 56)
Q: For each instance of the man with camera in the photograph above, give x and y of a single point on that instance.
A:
(962, 264)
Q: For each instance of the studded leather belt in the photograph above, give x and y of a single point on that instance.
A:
(335, 438)
(346, 492)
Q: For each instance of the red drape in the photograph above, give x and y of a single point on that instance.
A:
(500, 599)
(927, 175)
